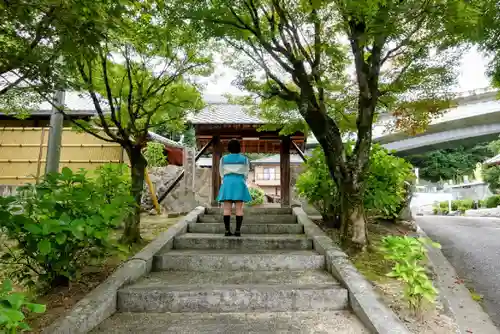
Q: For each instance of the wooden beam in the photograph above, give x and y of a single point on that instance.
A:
(171, 187)
(285, 171)
(203, 149)
(216, 181)
(299, 151)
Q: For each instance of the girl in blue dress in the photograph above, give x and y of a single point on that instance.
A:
(233, 170)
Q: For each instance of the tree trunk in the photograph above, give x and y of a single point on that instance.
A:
(132, 232)
(405, 210)
(348, 172)
(353, 219)
(331, 217)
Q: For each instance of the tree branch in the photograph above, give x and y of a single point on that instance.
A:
(405, 41)
(104, 65)
(88, 80)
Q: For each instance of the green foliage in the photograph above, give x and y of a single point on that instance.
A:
(35, 36)
(484, 32)
(112, 180)
(492, 201)
(189, 137)
(13, 308)
(491, 175)
(409, 256)
(442, 208)
(154, 154)
(145, 76)
(385, 185)
(60, 225)
(448, 164)
(292, 59)
(316, 185)
(257, 196)
(421, 61)
(456, 205)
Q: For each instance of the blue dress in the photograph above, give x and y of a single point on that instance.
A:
(234, 171)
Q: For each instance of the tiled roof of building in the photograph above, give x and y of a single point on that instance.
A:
(165, 141)
(275, 160)
(224, 113)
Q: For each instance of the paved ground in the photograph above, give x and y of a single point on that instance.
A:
(472, 245)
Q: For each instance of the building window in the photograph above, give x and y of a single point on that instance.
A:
(269, 174)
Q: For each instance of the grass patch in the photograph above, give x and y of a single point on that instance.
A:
(475, 296)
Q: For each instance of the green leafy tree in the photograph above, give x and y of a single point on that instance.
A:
(141, 77)
(36, 34)
(485, 31)
(448, 164)
(491, 175)
(294, 55)
(189, 137)
(385, 187)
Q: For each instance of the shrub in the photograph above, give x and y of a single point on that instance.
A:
(316, 185)
(491, 175)
(409, 254)
(60, 225)
(492, 201)
(456, 205)
(257, 196)
(154, 154)
(385, 184)
(112, 180)
(464, 205)
(13, 307)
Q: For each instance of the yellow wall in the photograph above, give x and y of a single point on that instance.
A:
(23, 152)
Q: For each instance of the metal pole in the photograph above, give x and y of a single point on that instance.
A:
(55, 135)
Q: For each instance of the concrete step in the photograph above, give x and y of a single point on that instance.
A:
(252, 219)
(245, 242)
(210, 260)
(339, 322)
(271, 291)
(174, 278)
(254, 211)
(248, 228)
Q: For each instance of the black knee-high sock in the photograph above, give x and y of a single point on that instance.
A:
(227, 223)
(239, 222)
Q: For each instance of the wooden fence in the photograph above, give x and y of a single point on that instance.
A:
(23, 153)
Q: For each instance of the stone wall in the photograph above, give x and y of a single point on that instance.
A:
(179, 200)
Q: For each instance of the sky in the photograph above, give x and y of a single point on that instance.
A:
(472, 76)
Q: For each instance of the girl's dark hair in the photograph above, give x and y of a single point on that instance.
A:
(234, 146)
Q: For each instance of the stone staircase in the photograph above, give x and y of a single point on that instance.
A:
(269, 280)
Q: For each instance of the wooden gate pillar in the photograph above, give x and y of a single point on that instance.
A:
(285, 171)
(216, 181)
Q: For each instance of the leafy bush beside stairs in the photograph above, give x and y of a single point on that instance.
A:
(60, 225)
(13, 309)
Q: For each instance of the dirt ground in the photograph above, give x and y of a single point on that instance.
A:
(374, 267)
(61, 300)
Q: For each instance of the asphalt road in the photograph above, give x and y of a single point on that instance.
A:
(472, 245)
